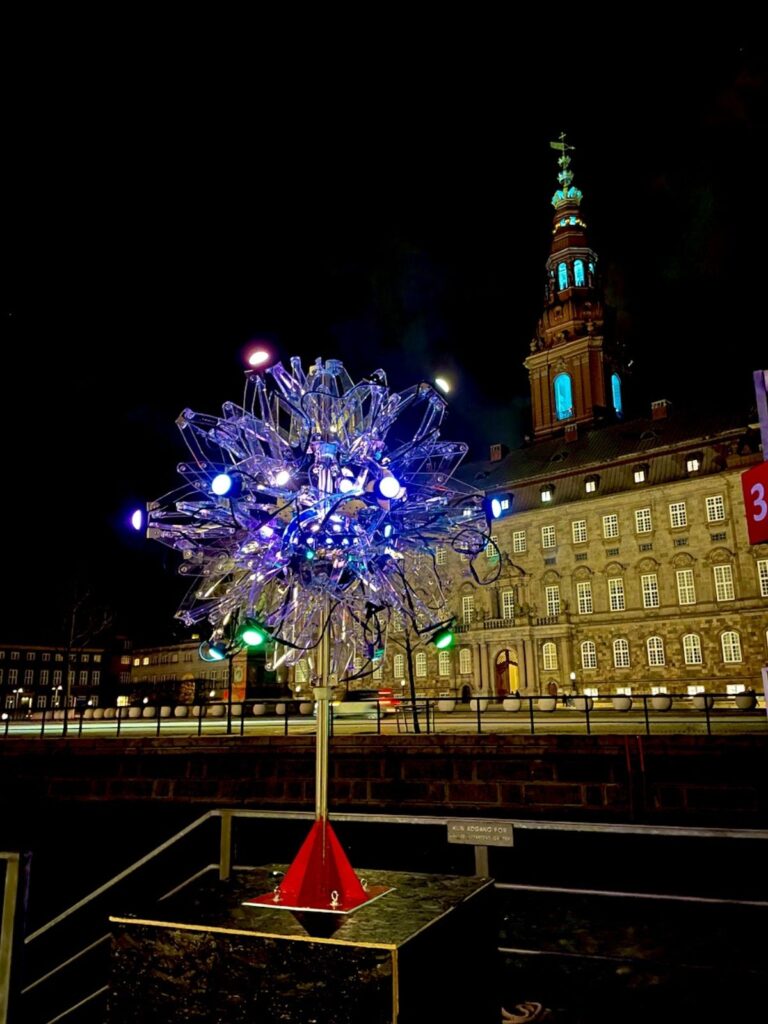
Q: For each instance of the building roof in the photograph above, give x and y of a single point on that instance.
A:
(612, 453)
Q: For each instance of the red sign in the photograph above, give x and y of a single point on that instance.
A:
(754, 484)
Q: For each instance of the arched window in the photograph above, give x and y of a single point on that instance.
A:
(398, 666)
(563, 396)
(588, 654)
(730, 642)
(562, 276)
(444, 663)
(549, 653)
(618, 408)
(621, 653)
(655, 648)
(465, 661)
(420, 664)
(578, 273)
(692, 649)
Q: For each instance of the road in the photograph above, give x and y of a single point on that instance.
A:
(562, 721)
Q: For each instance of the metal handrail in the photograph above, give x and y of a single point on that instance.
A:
(7, 928)
(706, 709)
(224, 865)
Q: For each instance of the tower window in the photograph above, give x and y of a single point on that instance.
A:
(618, 408)
(562, 276)
(578, 273)
(563, 396)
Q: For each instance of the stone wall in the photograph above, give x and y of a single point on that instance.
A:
(682, 779)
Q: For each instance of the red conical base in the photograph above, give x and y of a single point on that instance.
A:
(320, 878)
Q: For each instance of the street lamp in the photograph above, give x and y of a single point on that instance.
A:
(572, 677)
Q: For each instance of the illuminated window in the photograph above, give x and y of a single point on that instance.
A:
(578, 273)
(616, 594)
(618, 408)
(507, 604)
(562, 276)
(28, 676)
(518, 541)
(492, 549)
(640, 474)
(549, 654)
(420, 664)
(621, 653)
(686, 588)
(467, 608)
(444, 663)
(610, 526)
(590, 484)
(762, 575)
(650, 587)
(724, 583)
(44, 677)
(643, 521)
(301, 672)
(584, 597)
(715, 509)
(693, 462)
(579, 531)
(95, 677)
(588, 654)
(547, 536)
(552, 596)
(440, 555)
(655, 647)
(692, 649)
(398, 666)
(546, 492)
(730, 642)
(563, 396)
(465, 661)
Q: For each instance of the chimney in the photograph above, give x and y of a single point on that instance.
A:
(498, 451)
(660, 410)
(571, 432)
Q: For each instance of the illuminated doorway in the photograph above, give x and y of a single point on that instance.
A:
(507, 672)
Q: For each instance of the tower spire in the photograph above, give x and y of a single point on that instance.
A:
(572, 368)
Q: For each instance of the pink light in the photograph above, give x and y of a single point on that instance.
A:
(258, 357)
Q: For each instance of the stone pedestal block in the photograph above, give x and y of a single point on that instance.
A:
(424, 952)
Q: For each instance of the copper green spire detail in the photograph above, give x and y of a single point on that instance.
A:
(567, 193)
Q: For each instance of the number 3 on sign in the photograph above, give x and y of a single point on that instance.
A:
(758, 500)
(754, 485)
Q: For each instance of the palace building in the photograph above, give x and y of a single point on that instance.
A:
(621, 561)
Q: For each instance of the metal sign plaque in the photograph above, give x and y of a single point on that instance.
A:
(481, 833)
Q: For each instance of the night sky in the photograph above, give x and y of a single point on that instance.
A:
(175, 194)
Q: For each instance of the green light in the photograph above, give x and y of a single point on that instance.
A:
(252, 634)
(443, 639)
(309, 554)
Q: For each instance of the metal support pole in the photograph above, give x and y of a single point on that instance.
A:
(225, 846)
(481, 861)
(322, 696)
(229, 696)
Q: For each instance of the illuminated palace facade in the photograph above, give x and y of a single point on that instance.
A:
(621, 559)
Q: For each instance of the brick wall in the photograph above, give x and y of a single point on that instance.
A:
(681, 779)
